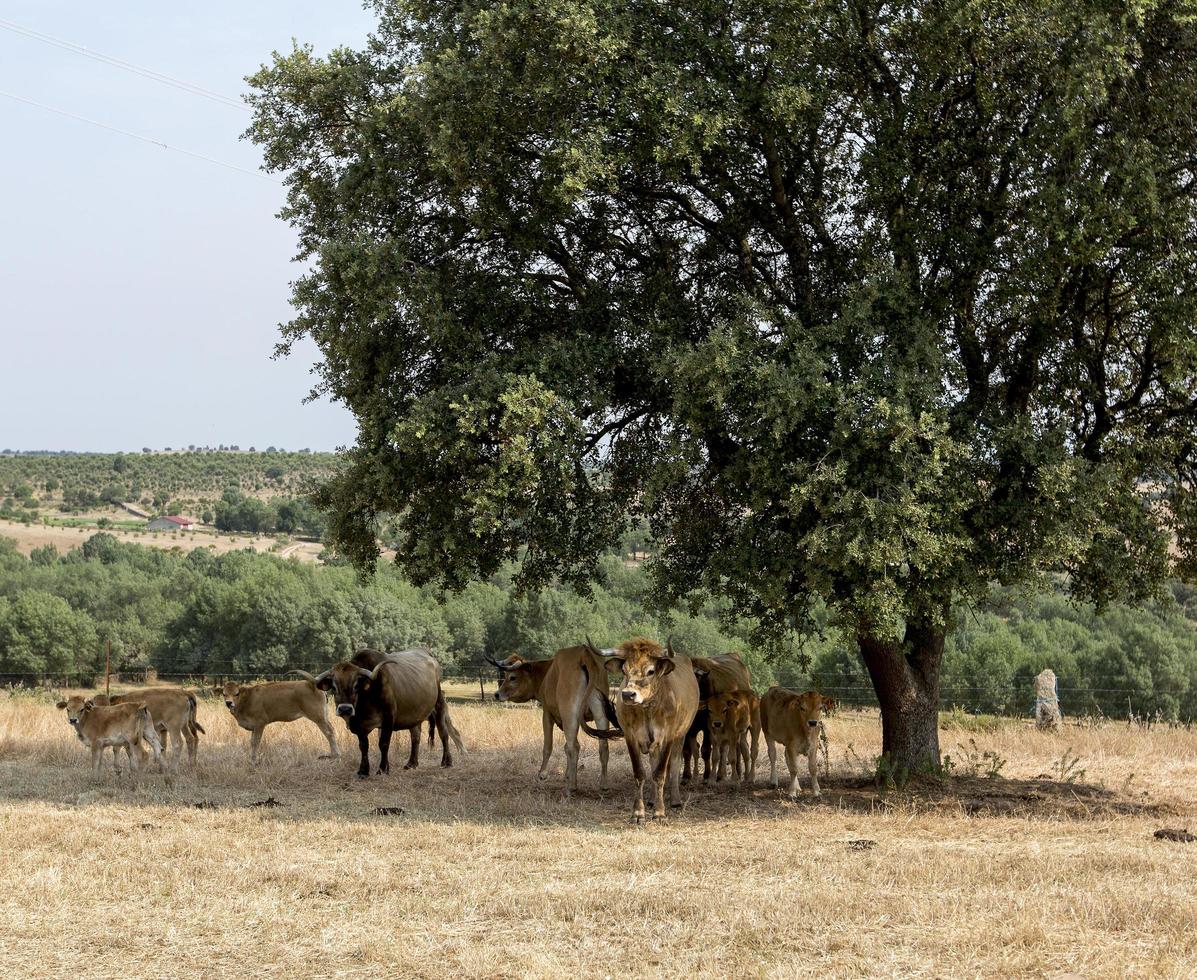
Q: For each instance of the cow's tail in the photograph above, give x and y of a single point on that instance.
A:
(432, 729)
(614, 731)
(195, 726)
(452, 730)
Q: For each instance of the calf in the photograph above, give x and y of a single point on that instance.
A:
(732, 716)
(254, 706)
(654, 707)
(116, 726)
(173, 711)
(571, 688)
(716, 675)
(793, 720)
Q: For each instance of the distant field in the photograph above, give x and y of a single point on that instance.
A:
(63, 538)
(287, 869)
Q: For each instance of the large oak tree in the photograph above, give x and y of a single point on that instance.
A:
(861, 303)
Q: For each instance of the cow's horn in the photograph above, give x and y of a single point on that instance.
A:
(593, 649)
(496, 663)
(302, 673)
(373, 674)
(669, 644)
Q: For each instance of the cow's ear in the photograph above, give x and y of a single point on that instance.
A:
(704, 704)
(700, 672)
(61, 705)
(665, 666)
(615, 665)
(324, 684)
(88, 704)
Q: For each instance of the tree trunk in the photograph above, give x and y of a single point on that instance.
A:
(906, 679)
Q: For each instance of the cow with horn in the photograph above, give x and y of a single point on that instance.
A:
(390, 692)
(571, 687)
(655, 705)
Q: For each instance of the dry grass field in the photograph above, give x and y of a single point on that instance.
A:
(33, 536)
(288, 870)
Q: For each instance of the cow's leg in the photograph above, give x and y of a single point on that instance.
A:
(192, 740)
(413, 759)
(97, 752)
(601, 723)
(792, 762)
(812, 758)
(660, 774)
(675, 771)
(689, 751)
(571, 752)
(772, 747)
(334, 750)
(749, 773)
(638, 775)
(706, 756)
(363, 743)
(385, 731)
(720, 758)
(438, 716)
(176, 744)
(255, 740)
(547, 724)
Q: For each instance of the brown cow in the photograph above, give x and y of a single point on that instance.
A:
(571, 687)
(173, 710)
(254, 706)
(656, 702)
(792, 719)
(117, 726)
(732, 716)
(716, 675)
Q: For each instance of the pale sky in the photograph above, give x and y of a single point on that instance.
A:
(140, 289)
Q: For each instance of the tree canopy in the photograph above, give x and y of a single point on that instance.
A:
(869, 304)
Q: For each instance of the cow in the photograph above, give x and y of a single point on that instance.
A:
(793, 720)
(716, 675)
(254, 706)
(390, 691)
(119, 726)
(173, 710)
(571, 687)
(732, 716)
(655, 704)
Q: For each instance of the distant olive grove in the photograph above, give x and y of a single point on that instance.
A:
(252, 614)
(34, 485)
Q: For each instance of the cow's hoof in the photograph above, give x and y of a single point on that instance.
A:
(637, 819)
(446, 763)
(794, 797)
(660, 816)
(363, 775)
(675, 806)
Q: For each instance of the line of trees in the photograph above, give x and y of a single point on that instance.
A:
(253, 614)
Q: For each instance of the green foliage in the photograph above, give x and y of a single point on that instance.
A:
(862, 307)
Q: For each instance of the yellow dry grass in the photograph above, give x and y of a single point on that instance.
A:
(487, 874)
(28, 537)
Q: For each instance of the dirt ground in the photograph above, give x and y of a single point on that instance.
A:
(289, 868)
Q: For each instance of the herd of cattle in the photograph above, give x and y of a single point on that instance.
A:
(670, 710)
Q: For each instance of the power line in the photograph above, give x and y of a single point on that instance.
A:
(149, 73)
(138, 136)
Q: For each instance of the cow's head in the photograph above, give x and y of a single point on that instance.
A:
(76, 708)
(809, 706)
(730, 712)
(348, 682)
(517, 681)
(231, 692)
(643, 664)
